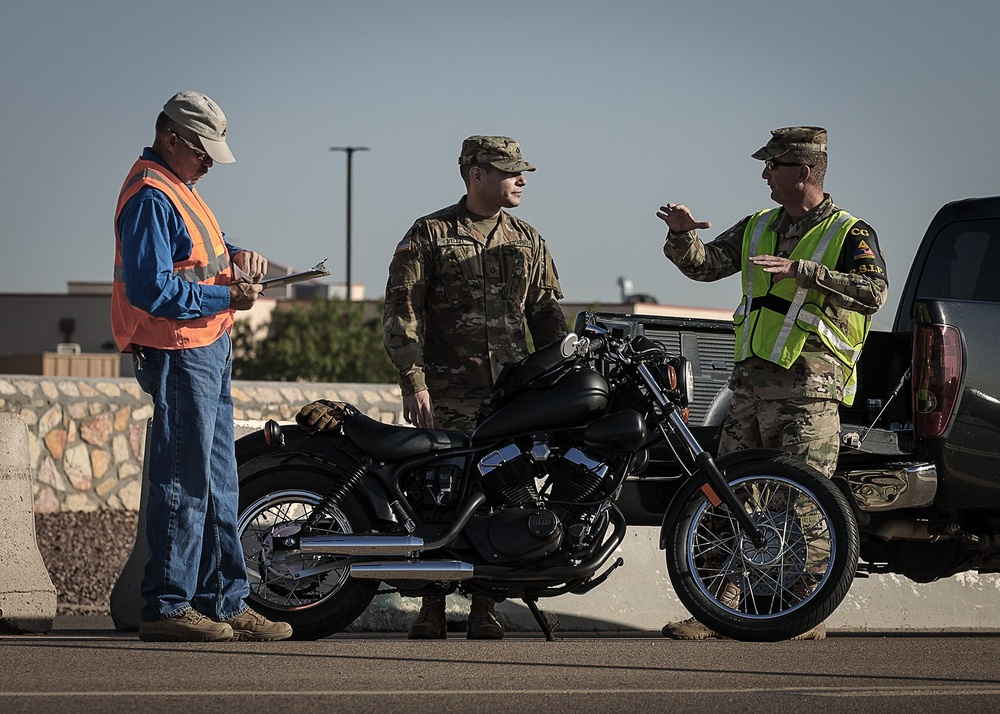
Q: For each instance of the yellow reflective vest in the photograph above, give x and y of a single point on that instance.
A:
(774, 320)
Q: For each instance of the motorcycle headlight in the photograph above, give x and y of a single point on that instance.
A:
(684, 380)
(677, 379)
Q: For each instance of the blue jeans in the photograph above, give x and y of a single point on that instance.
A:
(195, 555)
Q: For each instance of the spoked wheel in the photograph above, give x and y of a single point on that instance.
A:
(774, 591)
(313, 593)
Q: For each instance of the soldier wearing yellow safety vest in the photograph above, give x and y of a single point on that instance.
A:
(813, 275)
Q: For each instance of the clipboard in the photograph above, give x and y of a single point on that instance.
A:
(317, 271)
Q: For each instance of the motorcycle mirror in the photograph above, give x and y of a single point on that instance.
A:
(567, 348)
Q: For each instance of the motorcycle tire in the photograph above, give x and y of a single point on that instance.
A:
(276, 495)
(770, 593)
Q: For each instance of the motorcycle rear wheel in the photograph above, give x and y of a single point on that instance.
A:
(775, 592)
(277, 496)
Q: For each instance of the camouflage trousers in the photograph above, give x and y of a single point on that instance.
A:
(808, 428)
(459, 414)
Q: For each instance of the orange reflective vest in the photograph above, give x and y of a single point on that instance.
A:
(208, 264)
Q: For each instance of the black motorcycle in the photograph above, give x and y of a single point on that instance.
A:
(758, 547)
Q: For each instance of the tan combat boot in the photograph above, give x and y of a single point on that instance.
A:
(483, 622)
(186, 626)
(430, 623)
(691, 629)
(251, 626)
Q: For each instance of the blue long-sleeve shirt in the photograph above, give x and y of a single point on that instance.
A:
(153, 237)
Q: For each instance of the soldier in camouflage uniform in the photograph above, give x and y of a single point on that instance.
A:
(466, 285)
(787, 397)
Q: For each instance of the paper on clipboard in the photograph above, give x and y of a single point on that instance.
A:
(317, 271)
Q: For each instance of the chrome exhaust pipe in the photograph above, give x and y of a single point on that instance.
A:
(361, 545)
(403, 546)
(439, 570)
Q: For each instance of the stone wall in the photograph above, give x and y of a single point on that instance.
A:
(86, 435)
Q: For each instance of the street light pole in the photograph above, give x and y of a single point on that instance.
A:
(349, 150)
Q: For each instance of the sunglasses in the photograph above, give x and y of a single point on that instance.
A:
(202, 155)
(770, 164)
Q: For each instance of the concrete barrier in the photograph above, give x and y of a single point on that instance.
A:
(126, 599)
(638, 596)
(27, 595)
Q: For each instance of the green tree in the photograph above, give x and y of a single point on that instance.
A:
(319, 341)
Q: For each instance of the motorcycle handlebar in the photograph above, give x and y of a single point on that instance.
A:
(597, 342)
(589, 345)
(596, 345)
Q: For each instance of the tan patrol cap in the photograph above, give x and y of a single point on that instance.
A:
(195, 111)
(793, 138)
(500, 152)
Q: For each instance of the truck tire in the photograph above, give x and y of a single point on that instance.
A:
(775, 592)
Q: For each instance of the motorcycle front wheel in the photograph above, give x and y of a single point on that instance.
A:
(313, 593)
(768, 592)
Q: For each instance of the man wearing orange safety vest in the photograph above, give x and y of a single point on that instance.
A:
(172, 308)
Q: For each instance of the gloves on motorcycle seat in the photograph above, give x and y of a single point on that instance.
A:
(323, 415)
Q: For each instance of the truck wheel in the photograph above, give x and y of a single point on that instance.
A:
(276, 498)
(775, 592)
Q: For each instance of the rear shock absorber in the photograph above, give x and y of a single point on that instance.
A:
(336, 495)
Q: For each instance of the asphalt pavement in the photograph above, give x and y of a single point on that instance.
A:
(84, 665)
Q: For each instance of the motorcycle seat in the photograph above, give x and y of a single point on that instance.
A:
(389, 442)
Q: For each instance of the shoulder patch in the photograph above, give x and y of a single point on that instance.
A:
(403, 245)
(863, 251)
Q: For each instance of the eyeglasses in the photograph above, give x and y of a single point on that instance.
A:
(770, 164)
(202, 155)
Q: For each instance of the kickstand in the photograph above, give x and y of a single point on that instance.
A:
(540, 619)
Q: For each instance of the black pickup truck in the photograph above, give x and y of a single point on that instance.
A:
(920, 447)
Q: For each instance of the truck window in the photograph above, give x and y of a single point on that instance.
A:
(962, 263)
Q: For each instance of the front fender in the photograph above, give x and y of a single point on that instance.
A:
(724, 462)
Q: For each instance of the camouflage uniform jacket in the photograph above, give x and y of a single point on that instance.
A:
(457, 303)
(858, 284)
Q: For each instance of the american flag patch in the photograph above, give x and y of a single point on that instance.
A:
(403, 245)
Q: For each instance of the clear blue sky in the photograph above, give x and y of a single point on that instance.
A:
(621, 106)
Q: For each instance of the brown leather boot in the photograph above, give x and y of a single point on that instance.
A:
(483, 622)
(430, 623)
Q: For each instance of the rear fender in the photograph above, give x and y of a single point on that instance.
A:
(325, 447)
(291, 439)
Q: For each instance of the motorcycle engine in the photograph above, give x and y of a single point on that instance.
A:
(539, 499)
(508, 476)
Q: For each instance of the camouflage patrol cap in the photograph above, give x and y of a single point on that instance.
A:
(500, 152)
(793, 138)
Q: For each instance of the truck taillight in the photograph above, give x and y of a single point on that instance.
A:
(937, 378)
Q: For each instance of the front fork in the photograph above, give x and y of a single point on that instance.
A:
(716, 488)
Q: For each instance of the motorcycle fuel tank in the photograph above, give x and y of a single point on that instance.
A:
(577, 398)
